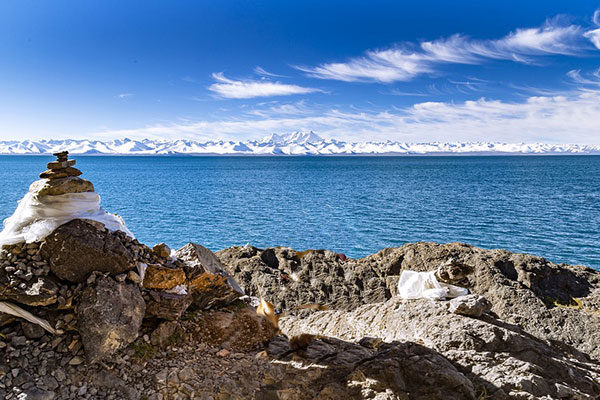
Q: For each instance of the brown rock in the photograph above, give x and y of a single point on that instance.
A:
(160, 277)
(46, 187)
(60, 173)
(77, 248)
(161, 335)
(239, 329)
(161, 250)
(61, 154)
(60, 164)
(109, 317)
(211, 290)
(199, 259)
(169, 306)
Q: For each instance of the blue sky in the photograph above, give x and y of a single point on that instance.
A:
(526, 71)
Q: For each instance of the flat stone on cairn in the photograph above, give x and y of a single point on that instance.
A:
(61, 178)
(61, 168)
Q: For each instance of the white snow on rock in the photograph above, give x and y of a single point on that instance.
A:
(295, 143)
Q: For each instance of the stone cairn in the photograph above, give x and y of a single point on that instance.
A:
(61, 168)
(96, 288)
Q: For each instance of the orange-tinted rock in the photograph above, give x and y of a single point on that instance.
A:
(211, 290)
(161, 277)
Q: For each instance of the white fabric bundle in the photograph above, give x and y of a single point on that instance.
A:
(35, 218)
(418, 285)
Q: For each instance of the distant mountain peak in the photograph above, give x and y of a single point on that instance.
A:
(297, 137)
(293, 143)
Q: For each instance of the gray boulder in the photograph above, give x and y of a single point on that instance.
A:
(472, 305)
(77, 248)
(109, 316)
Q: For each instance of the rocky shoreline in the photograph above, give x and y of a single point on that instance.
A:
(89, 312)
(351, 337)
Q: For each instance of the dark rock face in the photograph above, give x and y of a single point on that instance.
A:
(211, 290)
(109, 317)
(392, 371)
(169, 306)
(40, 291)
(77, 248)
(312, 276)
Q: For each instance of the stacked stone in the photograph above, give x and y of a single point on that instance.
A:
(61, 168)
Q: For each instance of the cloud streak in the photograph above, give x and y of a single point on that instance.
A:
(237, 89)
(568, 117)
(407, 61)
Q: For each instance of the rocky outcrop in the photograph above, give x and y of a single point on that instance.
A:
(499, 358)
(328, 368)
(558, 303)
(311, 276)
(78, 248)
(109, 317)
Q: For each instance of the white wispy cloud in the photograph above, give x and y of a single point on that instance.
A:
(570, 117)
(261, 71)
(124, 95)
(238, 89)
(407, 61)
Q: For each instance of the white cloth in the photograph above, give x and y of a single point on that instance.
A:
(418, 285)
(35, 218)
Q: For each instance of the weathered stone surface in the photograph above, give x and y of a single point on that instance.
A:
(39, 291)
(211, 290)
(472, 305)
(499, 358)
(199, 260)
(161, 250)
(311, 276)
(46, 187)
(60, 164)
(60, 173)
(329, 368)
(77, 248)
(237, 329)
(109, 317)
(161, 277)
(32, 331)
(169, 306)
(162, 334)
(560, 303)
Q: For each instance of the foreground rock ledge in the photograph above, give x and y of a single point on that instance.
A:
(530, 331)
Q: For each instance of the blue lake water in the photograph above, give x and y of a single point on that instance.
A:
(543, 205)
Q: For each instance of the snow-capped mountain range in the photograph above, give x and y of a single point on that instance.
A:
(295, 143)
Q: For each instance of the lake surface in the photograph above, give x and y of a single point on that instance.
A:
(543, 205)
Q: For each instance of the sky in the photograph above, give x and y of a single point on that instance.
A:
(510, 71)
